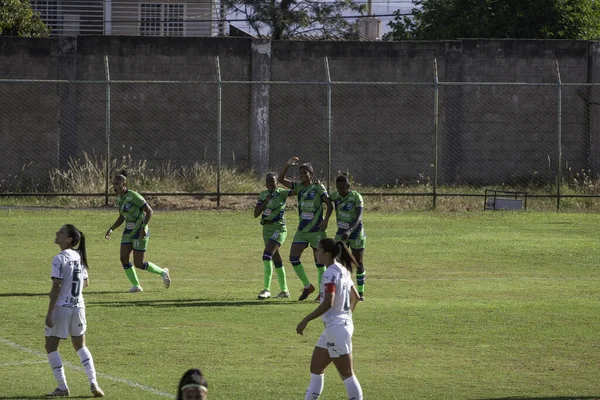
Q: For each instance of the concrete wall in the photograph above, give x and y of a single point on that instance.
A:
(382, 134)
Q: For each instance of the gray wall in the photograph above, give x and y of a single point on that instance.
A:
(380, 133)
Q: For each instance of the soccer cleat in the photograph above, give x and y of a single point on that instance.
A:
(318, 299)
(136, 289)
(96, 391)
(306, 292)
(58, 392)
(166, 278)
(283, 295)
(361, 298)
(264, 294)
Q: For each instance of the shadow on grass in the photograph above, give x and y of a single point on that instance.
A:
(543, 398)
(189, 303)
(46, 295)
(41, 397)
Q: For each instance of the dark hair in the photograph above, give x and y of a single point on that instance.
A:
(122, 175)
(342, 179)
(78, 238)
(273, 174)
(308, 166)
(191, 377)
(339, 251)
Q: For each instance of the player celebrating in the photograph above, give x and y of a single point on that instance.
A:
(271, 207)
(136, 213)
(66, 309)
(348, 211)
(337, 304)
(312, 225)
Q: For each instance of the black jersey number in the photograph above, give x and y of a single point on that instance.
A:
(76, 285)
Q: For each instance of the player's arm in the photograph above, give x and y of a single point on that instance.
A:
(261, 205)
(354, 297)
(54, 293)
(114, 226)
(328, 213)
(86, 283)
(328, 298)
(354, 224)
(281, 178)
(148, 211)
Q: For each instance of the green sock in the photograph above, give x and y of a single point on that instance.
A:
(268, 273)
(360, 282)
(299, 270)
(320, 272)
(155, 269)
(281, 278)
(132, 276)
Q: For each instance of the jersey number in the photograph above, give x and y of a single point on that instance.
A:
(76, 285)
(346, 297)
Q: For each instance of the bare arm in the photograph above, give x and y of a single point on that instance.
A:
(281, 178)
(86, 283)
(320, 310)
(114, 226)
(328, 213)
(354, 297)
(54, 293)
(354, 224)
(261, 205)
(148, 211)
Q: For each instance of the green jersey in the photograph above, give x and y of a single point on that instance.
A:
(346, 211)
(274, 212)
(310, 205)
(130, 207)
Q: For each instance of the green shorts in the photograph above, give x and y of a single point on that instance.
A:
(355, 244)
(312, 238)
(137, 244)
(275, 232)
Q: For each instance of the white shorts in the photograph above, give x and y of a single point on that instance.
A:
(337, 339)
(67, 321)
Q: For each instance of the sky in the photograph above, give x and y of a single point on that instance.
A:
(381, 9)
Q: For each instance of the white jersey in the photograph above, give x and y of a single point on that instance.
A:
(68, 267)
(340, 312)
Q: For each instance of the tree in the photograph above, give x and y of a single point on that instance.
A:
(18, 19)
(285, 19)
(517, 19)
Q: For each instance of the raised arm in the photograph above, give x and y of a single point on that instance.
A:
(281, 178)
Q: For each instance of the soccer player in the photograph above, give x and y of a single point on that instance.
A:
(312, 225)
(136, 213)
(349, 211)
(337, 304)
(192, 386)
(66, 309)
(271, 207)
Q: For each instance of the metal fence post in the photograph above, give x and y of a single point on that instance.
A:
(559, 112)
(329, 136)
(436, 130)
(107, 125)
(219, 130)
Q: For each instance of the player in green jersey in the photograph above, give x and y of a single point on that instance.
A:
(349, 211)
(312, 225)
(136, 213)
(271, 207)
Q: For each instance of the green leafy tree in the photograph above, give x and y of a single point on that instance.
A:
(288, 18)
(18, 19)
(517, 19)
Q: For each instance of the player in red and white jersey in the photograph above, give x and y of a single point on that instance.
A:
(339, 300)
(66, 310)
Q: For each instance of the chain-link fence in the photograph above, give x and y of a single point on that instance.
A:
(428, 140)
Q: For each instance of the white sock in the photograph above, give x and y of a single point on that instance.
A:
(353, 388)
(315, 387)
(88, 364)
(57, 369)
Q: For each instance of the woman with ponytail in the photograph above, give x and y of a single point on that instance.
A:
(337, 304)
(66, 311)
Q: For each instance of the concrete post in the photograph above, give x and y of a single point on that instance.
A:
(259, 106)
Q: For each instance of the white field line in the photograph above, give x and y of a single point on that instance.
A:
(78, 368)
(16, 364)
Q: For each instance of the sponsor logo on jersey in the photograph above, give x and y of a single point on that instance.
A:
(349, 206)
(126, 207)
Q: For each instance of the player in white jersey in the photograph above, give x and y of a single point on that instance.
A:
(66, 310)
(337, 303)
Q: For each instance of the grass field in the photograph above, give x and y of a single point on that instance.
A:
(483, 305)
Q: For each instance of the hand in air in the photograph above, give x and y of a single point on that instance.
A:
(293, 161)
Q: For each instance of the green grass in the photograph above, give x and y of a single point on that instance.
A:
(490, 305)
